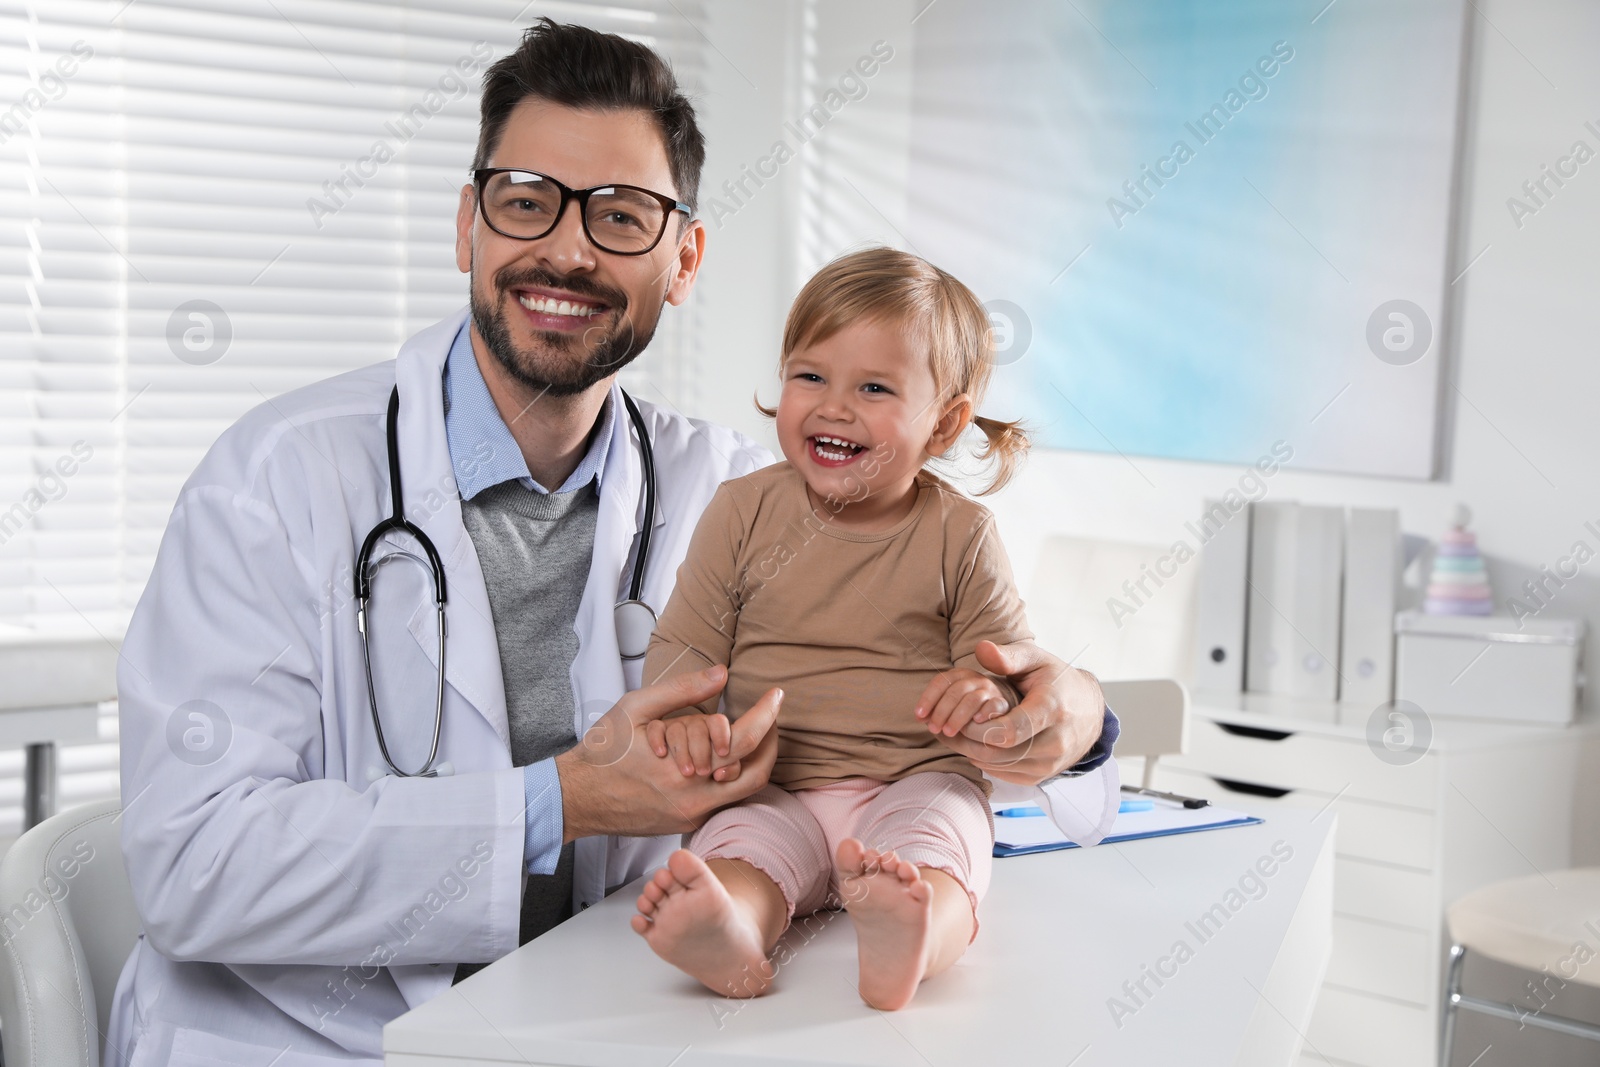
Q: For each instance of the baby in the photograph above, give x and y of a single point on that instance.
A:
(850, 577)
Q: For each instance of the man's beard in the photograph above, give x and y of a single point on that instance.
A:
(560, 366)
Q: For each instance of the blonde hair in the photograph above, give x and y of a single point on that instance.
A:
(942, 316)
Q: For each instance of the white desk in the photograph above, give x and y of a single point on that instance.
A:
(1060, 934)
(1478, 802)
(53, 685)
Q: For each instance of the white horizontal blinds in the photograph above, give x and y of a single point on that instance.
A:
(849, 121)
(61, 329)
(811, 244)
(225, 152)
(221, 203)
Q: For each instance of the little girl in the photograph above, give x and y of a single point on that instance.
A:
(849, 576)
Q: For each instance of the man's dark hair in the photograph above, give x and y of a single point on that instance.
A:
(576, 66)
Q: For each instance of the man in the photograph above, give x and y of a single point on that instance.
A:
(300, 880)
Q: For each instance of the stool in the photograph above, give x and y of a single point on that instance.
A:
(1548, 925)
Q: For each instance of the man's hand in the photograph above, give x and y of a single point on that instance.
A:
(1057, 722)
(613, 783)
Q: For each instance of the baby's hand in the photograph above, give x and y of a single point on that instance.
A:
(697, 743)
(968, 695)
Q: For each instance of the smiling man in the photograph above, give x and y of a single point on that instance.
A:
(337, 805)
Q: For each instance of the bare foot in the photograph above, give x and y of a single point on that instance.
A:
(691, 922)
(892, 907)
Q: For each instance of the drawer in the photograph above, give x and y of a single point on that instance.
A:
(1391, 961)
(1370, 1031)
(1367, 890)
(1366, 831)
(1299, 760)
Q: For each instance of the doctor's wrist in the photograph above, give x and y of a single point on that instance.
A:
(576, 781)
(591, 797)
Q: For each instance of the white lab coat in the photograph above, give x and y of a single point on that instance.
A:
(319, 899)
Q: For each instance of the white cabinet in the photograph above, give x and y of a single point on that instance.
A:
(1478, 803)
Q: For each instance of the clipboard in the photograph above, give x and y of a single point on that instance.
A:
(1037, 833)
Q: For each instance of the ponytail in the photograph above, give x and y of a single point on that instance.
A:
(1008, 445)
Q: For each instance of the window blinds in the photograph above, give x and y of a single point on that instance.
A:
(204, 204)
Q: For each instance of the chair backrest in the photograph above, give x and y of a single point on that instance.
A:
(1100, 603)
(68, 927)
(1154, 713)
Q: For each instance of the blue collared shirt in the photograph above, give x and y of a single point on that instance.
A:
(482, 449)
(483, 454)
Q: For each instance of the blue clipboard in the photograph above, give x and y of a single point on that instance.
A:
(1026, 836)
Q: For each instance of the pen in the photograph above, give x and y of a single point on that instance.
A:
(1188, 802)
(1023, 813)
(1018, 813)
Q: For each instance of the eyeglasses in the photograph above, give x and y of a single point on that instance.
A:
(524, 205)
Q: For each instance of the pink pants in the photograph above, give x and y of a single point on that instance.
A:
(937, 819)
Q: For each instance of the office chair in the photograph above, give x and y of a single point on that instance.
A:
(67, 930)
(1535, 947)
(1154, 713)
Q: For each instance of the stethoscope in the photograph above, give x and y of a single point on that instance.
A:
(635, 620)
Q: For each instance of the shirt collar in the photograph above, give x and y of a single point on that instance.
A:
(482, 451)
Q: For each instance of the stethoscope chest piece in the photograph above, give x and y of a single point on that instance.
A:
(636, 621)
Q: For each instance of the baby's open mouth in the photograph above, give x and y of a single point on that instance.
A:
(833, 451)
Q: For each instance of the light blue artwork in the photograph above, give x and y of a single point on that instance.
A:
(1201, 227)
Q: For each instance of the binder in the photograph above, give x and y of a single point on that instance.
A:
(1371, 581)
(1296, 559)
(1219, 627)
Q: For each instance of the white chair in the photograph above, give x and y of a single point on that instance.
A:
(69, 924)
(1154, 713)
(1070, 607)
(1541, 930)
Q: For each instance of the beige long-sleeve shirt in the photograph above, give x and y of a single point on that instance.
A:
(852, 626)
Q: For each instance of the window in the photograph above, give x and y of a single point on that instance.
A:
(204, 204)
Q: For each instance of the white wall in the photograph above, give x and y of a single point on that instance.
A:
(742, 293)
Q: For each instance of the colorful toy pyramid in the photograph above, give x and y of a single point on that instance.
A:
(1459, 584)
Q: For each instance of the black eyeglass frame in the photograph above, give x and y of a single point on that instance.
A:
(669, 204)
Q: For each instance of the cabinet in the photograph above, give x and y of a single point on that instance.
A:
(1471, 803)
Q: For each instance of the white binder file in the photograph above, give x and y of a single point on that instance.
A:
(1371, 580)
(1297, 553)
(1219, 625)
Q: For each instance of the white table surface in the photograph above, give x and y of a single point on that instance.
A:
(52, 686)
(1061, 932)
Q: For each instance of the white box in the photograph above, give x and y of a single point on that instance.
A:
(1486, 667)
